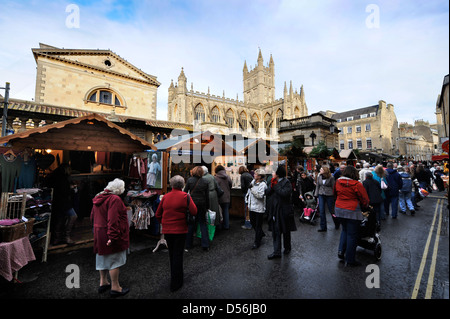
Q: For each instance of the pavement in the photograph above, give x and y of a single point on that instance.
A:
(231, 270)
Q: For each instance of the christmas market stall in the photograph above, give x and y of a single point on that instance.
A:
(96, 151)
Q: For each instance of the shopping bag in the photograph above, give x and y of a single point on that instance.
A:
(211, 217)
(211, 229)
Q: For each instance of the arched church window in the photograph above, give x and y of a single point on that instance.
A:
(199, 113)
(243, 120)
(175, 113)
(297, 112)
(279, 117)
(215, 115)
(105, 96)
(255, 122)
(267, 120)
(229, 118)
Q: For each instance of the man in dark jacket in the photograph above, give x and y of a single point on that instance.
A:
(373, 189)
(280, 212)
(395, 184)
(246, 179)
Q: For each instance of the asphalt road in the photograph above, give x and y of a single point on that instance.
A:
(414, 264)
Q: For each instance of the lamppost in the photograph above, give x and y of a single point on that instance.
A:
(5, 108)
(332, 129)
(313, 136)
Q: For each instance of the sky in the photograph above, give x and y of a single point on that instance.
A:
(347, 54)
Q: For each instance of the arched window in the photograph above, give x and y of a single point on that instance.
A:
(267, 123)
(296, 112)
(215, 115)
(199, 113)
(279, 117)
(175, 113)
(255, 122)
(229, 118)
(243, 120)
(105, 96)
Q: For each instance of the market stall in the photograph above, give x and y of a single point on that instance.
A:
(185, 151)
(96, 149)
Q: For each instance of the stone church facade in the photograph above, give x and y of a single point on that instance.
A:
(258, 115)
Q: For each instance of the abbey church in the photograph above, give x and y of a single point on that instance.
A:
(258, 115)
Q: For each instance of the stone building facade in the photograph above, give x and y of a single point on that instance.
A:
(442, 111)
(76, 82)
(418, 142)
(258, 115)
(373, 129)
(94, 81)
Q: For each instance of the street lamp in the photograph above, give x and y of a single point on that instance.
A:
(5, 108)
(313, 136)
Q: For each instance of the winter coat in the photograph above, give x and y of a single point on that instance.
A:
(246, 179)
(256, 197)
(213, 197)
(394, 182)
(279, 207)
(350, 196)
(373, 189)
(407, 182)
(225, 183)
(305, 185)
(324, 189)
(171, 212)
(110, 220)
(200, 195)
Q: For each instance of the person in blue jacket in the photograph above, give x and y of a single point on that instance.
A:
(406, 191)
(395, 184)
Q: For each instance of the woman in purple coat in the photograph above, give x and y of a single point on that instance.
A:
(111, 236)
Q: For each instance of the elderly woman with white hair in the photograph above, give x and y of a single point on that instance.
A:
(171, 213)
(111, 236)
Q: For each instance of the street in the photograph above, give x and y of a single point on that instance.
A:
(414, 264)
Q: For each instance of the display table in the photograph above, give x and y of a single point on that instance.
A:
(14, 255)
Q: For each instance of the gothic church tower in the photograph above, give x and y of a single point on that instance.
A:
(259, 83)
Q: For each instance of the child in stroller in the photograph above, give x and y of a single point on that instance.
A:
(309, 212)
(368, 235)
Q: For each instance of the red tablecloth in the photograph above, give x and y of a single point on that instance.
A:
(14, 255)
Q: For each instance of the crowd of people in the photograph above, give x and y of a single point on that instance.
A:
(347, 191)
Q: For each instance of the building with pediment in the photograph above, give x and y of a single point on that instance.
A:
(94, 81)
(257, 115)
(77, 82)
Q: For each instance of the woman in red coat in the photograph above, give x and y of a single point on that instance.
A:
(111, 236)
(171, 213)
(351, 201)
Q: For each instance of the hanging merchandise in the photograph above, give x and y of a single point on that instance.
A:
(27, 175)
(142, 216)
(10, 165)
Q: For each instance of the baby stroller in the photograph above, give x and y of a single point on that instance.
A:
(309, 212)
(369, 238)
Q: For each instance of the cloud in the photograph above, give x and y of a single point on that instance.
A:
(324, 45)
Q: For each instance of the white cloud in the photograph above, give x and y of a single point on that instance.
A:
(324, 45)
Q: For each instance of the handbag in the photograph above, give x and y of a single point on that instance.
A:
(190, 219)
(383, 184)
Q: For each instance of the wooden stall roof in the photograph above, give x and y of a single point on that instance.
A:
(188, 141)
(88, 133)
(347, 154)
